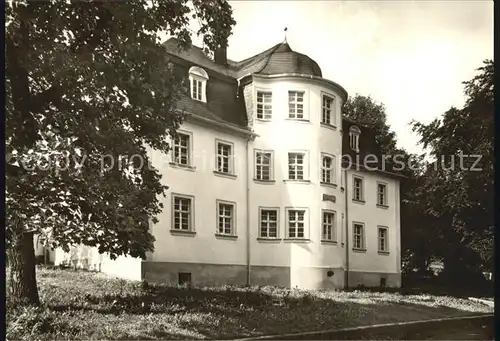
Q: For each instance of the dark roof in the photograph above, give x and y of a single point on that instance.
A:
(276, 60)
(195, 55)
(224, 103)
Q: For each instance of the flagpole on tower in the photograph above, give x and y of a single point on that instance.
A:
(286, 28)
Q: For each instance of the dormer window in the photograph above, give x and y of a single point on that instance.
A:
(198, 83)
(354, 133)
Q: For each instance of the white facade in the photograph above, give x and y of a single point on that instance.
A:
(298, 220)
(302, 262)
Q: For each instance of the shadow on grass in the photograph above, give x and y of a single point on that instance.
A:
(85, 305)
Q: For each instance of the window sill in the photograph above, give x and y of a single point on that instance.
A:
(186, 233)
(225, 175)
(361, 202)
(226, 236)
(328, 184)
(269, 240)
(358, 250)
(297, 240)
(327, 241)
(306, 182)
(264, 182)
(328, 126)
(180, 166)
(263, 120)
(385, 253)
(302, 120)
(385, 207)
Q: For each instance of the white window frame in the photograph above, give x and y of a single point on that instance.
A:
(333, 112)
(324, 170)
(266, 113)
(305, 234)
(176, 146)
(269, 209)
(293, 104)
(305, 165)
(198, 75)
(354, 133)
(361, 190)
(230, 157)
(384, 202)
(258, 172)
(190, 212)
(332, 226)
(379, 238)
(232, 218)
(362, 237)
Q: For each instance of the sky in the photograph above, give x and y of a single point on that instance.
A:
(410, 55)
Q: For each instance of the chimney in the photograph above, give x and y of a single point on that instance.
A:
(220, 56)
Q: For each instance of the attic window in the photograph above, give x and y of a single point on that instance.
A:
(354, 133)
(198, 83)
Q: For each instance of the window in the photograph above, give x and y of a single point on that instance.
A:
(357, 193)
(296, 104)
(354, 133)
(358, 236)
(264, 105)
(225, 218)
(268, 223)
(382, 239)
(182, 213)
(263, 165)
(328, 112)
(327, 169)
(198, 83)
(224, 162)
(296, 166)
(181, 147)
(381, 194)
(329, 226)
(296, 223)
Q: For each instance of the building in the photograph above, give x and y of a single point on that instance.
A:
(259, 192)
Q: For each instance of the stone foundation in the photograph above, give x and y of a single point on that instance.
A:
(373, 279)
(172, 273)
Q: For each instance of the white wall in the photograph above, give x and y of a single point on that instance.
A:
(282, 135)
(206, 187)
(372, 216)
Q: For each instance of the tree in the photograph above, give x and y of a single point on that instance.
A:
(88, 84)
(459, 187)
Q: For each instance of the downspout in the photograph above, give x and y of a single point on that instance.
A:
(248, 208)
(247, 185)
(346, 280)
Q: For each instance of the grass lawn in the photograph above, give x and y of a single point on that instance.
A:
(93, 306)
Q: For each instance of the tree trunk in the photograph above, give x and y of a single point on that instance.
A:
(22, 287)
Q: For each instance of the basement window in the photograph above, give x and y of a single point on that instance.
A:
(185, 279)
